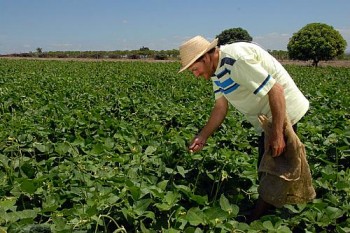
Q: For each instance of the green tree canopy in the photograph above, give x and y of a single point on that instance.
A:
(39, 50)
(316, 42)
(232, 35)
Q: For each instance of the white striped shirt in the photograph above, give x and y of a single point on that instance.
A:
(246, 73)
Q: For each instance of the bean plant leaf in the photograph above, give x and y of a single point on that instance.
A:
(141, 206)
(8, 203)
(150, 150)
(162, 185)
(86, 145)
(226, 206)
(215, 214)
(62, 148)
(28, 186)
(195, 216)
(181, 171)
(41, 147)
(97, 149)
(109, 143)
(333, 212)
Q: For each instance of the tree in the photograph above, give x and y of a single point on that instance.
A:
(316, 42)
(143, 48)
(232, 35)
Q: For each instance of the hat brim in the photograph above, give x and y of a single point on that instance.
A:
(212, 45)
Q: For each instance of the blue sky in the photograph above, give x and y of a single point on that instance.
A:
(89, 25)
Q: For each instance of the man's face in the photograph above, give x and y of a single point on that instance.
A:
(202, 68)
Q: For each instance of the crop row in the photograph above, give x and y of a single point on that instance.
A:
(101, 147)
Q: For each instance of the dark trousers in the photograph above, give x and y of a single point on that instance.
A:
(261, 144)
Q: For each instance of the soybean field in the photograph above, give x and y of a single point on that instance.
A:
(102, 147)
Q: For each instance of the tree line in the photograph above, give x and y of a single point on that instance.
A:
(315, 41)
(142, 53)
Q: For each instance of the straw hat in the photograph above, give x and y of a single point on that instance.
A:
(193, 49)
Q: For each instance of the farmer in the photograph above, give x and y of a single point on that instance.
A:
(254, 82)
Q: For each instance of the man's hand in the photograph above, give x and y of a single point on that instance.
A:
(197, 144)
(217, 116)
(276, 144)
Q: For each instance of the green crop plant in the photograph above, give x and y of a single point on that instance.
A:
(101, 147)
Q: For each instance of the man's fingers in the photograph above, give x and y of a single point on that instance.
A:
(196, 146)
(194, 142)
(276, 151)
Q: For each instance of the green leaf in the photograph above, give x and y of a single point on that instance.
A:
(143, 228)
(112, 199)
(51, 203)
(28, 169)
(163, 206)
(268, 225)
(171, 197)
(62, 148)
(296, 208)
(8, 203)
(150, 150)
(185, 189)
(343, 185)
(195, 216)
(225, 205)
(333, 212)
(202, 200)
(182, 171)
(4, 160)
(135, 192)
(41, 147)
(215, 214)
(163, 184)
(27, 214)
(28, 186)
(60, 223)
(109, 143)
(97, 149)
(141, 206)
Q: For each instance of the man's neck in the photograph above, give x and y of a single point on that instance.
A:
(215, 59)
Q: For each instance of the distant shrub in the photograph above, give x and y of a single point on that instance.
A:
(134, 56)
(160, 56)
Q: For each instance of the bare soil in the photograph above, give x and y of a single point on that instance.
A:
(335, 63)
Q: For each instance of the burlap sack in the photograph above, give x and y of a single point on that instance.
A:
(285, 179)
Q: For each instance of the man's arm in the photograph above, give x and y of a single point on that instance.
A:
(216, 118)
(278, 110)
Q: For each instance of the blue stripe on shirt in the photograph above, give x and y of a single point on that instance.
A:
(228, 90)
(227, 60)
(222, 73)
(225, 83)
(231, 89)
(262, 85)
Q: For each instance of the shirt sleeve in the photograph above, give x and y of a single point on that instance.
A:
(217, 91)
(249, 73)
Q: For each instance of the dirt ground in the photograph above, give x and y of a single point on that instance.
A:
(336, 63)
